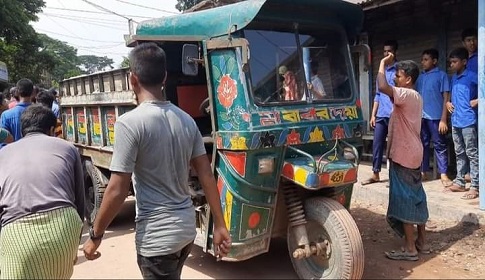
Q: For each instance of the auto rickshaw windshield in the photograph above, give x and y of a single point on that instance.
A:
(287, 68)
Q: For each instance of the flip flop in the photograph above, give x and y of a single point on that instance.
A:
(454, 188)
(471, 194)
(369, 181)
(402, 256)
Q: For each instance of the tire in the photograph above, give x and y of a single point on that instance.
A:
(94, 192)
(328, 219)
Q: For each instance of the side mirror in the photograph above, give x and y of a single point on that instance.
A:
(363, 49)
(190, 59)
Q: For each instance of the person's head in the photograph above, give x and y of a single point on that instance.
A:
(390, 46)
(13, 93)
(458, 60)
(314, 67)
(469, 38)
(45, 98)
(429, 59)
(407, 73)
(38, 119)
(25, 87)
(148, 67)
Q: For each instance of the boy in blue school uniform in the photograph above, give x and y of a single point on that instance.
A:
(469, 38)
(381, 113)
(434, 87)
(464, 116)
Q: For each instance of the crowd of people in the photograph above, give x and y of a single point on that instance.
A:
(411, 110)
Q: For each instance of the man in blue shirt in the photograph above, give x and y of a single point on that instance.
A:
(469, 38)
(463, 109)
(10, 119)
(55, 105)
(381, 112)
(434, 87)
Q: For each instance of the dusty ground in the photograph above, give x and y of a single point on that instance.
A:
(458, 253)
(457, 249)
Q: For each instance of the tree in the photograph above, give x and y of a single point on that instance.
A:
(15, 16)
(92, 63)
(183, 5)
(125, 62)
(63, 58)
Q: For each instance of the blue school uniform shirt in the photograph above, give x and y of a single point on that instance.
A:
(10, 120)
(464, 87)
(431, 85)
(385, 104)
(472, 63)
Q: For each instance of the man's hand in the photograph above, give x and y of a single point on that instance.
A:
(372, 122)
(443, 127)
(90, 248)
(389, 59)
(222, 242)
(450, 107)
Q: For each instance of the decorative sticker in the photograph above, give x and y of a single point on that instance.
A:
(254, 221)
(316, 135)
(293, 138)
(267, 140)
(238, 143)
(338, 133)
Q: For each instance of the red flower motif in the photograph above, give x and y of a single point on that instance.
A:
(293, 138)
(338, 133)
(226, 91)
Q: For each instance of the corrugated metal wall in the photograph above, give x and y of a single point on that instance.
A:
(418, 25)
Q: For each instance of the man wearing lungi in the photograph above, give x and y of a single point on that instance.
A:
(42, 209)
(407, 199)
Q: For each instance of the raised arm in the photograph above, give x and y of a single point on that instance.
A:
(382, 84)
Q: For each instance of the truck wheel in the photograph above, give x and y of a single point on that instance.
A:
(329, 220)
(94, 191)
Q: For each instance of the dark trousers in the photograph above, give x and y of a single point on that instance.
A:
(163, 267)
(379, 143)
(430, 133)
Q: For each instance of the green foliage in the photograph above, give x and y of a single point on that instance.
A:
(15, 16)
(125, 62)
(183, 5)
(92, 63)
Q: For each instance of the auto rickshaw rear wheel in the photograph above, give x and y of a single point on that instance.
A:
(328, 220)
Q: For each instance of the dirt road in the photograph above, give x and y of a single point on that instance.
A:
(458, 253)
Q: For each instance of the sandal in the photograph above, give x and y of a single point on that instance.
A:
(454, 188)
(471, 194)
(402, 256)
(369, 181)
(423, 249)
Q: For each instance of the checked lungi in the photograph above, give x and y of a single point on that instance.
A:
(407, 199)
(40, 246)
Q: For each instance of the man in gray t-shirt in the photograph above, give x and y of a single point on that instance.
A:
(157, 142)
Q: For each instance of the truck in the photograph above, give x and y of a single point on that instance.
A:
(285, 167)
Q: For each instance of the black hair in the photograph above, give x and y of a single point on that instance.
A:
(460, 53)
(468, 33)
(25, 87)
(37, 119)
(53, 91)
(410, 69)
(433, 53)
(314, 67)
(148, 63)
(45, 98)
(391, 43)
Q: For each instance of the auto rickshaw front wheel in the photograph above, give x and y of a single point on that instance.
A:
(328, 222)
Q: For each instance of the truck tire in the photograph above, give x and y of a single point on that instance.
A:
(329, 220)
(94, 191)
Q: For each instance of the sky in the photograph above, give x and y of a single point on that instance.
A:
(94, 30)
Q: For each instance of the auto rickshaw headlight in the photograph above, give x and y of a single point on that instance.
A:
(265, 165)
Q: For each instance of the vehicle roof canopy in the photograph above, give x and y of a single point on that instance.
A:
(216, 22)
